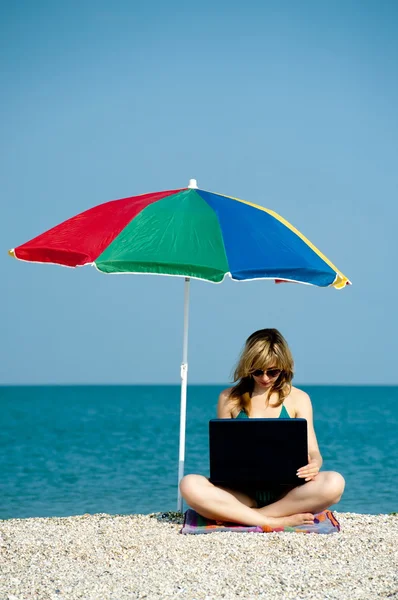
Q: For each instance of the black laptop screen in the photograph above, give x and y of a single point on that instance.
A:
(256, 453)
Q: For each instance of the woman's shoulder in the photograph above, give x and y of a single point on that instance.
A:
(225, 403)
(225, 396)
(298, 394)
(298, 398)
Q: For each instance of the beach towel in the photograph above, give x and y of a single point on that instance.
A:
(324, 522)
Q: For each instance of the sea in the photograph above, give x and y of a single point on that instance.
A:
(72, 450)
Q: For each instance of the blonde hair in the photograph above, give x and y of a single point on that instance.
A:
(264, 349)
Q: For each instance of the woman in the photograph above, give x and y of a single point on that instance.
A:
(263, 390)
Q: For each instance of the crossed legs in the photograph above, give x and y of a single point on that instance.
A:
(295, 508)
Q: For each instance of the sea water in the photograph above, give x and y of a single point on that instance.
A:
(70, 450)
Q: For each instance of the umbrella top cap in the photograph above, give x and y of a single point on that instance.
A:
(193, 184)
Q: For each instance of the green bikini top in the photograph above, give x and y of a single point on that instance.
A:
(242, 415)
(282, 415)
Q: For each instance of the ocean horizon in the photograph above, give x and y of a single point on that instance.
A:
(77, 449)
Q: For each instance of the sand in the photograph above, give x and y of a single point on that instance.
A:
(104, 557)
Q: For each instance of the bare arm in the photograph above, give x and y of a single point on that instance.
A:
(304, 411)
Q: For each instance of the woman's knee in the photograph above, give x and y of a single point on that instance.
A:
(333, 486)
(190, 484)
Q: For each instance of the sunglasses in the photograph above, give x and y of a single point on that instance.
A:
(269, 372)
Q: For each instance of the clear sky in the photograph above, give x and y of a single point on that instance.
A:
(291, 105)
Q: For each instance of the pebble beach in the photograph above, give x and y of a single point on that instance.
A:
(117, 557)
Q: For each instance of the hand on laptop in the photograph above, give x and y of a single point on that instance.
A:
(309, 471)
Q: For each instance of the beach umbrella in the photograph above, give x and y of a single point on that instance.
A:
(189, 233)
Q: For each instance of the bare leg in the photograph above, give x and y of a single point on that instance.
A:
(314, 496)
(217, 503)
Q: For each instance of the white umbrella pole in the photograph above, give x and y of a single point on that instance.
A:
(184, 382)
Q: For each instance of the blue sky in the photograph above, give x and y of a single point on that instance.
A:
(291, 105)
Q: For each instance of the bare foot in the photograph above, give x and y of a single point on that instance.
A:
(290, 521)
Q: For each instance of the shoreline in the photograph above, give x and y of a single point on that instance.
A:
(117, 557)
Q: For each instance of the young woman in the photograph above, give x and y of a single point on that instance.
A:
(263, 390)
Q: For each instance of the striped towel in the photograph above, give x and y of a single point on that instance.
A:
(324, 522)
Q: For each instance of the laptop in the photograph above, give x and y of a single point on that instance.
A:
(257, 453)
